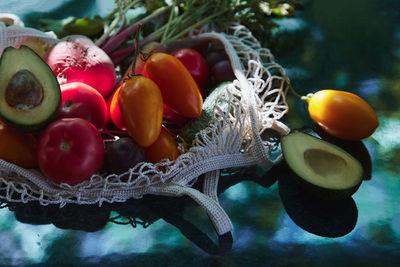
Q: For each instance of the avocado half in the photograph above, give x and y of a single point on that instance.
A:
(30, 95)
(322, 168)
(355, 148)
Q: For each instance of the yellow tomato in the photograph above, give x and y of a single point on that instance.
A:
(342, 114)
(142, 107)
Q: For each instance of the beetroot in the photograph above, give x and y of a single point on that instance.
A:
(77, 59)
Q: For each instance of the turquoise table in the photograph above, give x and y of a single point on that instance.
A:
(347, 45)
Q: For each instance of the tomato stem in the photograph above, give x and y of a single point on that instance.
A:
(292, 89)
(303, 98)
(307, 97)
(64, 146)
(136, 49)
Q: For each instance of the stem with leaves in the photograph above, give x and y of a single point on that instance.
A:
(117, 39)
(194, 14)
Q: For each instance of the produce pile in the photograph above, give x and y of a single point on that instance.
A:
(109, 94)
(112, 92)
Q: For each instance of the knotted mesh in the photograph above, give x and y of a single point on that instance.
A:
(253, 103)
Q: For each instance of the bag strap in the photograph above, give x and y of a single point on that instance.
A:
(211, 184)
(219, 218)
(197, 237)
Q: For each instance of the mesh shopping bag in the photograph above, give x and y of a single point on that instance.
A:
(235, 137)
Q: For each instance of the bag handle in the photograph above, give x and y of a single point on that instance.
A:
(197, 237)
(219, 218)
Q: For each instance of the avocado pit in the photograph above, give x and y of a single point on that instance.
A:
(24, 91)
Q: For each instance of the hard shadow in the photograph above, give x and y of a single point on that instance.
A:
(323, 217)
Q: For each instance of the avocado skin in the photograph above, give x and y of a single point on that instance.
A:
(193, 127)
(355, 148)
(318, 191)
(34, 128)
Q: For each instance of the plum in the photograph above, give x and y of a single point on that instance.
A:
(122, 154)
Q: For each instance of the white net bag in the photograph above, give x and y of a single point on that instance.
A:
(253, 103)
(15, 34)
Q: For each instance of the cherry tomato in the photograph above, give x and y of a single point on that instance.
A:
(141, 106)
(178, 88)
(195, 63)
(165, 147)
(114, 112)
(79, 100)
(342, 114)
(17, 148)
(70, 151)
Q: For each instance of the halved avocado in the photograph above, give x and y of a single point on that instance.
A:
(30, 95)
(324, 169)
(355, 148)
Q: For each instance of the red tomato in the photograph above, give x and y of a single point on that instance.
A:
(178, 88)
(141, 106)
(195, 63)
(79, 100)
(114, 112)
(70, 150)
(165, 147)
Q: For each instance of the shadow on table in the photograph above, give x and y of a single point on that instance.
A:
(327, 218)
(135, 212)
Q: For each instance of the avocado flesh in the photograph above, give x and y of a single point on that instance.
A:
(27, 108)
(320, 163)
(355, 148)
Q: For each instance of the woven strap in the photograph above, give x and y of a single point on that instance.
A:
(218, 216)
(211, 184)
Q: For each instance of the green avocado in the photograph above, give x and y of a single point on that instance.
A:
(30, 95)
(189, 131)
(322, 168)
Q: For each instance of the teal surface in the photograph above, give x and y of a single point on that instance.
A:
(347, 45)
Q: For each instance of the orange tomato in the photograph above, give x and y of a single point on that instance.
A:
(178, 88)
(164, 147)
(342, 114)
(17, 148)
(114, 112)
(141, 105)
